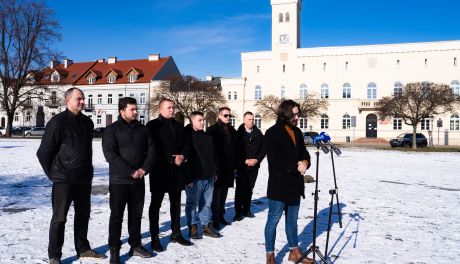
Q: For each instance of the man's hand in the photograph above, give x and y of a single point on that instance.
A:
(251, 162)
(302, 166)
(178, 159)
(141, 172)
(136, 174)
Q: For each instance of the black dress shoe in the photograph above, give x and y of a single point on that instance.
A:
(210, 232)
(250, 214)
(238, 217)
(140, 251)
(181, 240)
(224, 222)
(156, 245)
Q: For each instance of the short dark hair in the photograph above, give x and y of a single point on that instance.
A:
(284, 112)
(70, 91)
(123, 102)
(165, 100)
(248, 113)
(224, 108)
(195, 113)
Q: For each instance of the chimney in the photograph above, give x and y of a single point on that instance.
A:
(154, 57)
(209, 78)
(101, 60)
(53, 64)
(67, 63)
(112, 60)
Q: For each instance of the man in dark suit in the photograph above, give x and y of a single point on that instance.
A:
(288, 160)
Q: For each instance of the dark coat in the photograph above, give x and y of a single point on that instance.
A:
(167, 135)
(285, 183)
(66, 150)
(225, 145)
(201, 163)
(127, 148)
(250, 146)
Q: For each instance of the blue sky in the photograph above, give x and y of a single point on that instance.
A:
(207, 36)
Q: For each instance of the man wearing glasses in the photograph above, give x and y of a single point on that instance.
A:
(224, 135)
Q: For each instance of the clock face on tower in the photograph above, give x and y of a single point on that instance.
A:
(284, 39)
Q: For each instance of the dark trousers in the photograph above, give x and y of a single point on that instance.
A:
(120, 196)
(219, 196)
(62, 196)
(154, 211)
(245, 182)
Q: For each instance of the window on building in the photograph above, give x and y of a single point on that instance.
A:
(120, 96)
(258, 121)
(16, 117)
(426, 63)
(346, 121)
(280, 18)
(258, 93)
(425, 124)
(346, 90)
(282, 92)
(142, 99)
(324, 66)
(324, 121)
(371, 91)
(229, 95)
(53, 98)
(284, 67)
(397, 123)
(455, 62)
(303, 67)
(131, 95)
(90, 101)
(142, 119)
(235, 95)
(397, 63)
(99, 99)
(55, 77)
(455, 86)
(287, 17)
(232, 121)
(109, 99)
(28, 116)
(302, 123)
(324, 91)
(91, 80)
(303, 92)
(99, 120)
(455, 122)
(397, 89)
(346, 65)
(132, 78)
(258, 69)
(112, 78)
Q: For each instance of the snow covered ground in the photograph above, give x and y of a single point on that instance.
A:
(398, 207)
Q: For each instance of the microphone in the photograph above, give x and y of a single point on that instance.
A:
(319, 142)
(327, 140)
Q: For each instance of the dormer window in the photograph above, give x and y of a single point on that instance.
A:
(91, 80)
(55, 77)
(132, 78)
(112, 78)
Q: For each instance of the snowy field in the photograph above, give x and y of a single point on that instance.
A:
(398, 207)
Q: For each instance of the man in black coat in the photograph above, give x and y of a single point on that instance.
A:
(224, 136)
(65, 155)
(167, 134)
(250, 154)
(288, 160)
(130, 152)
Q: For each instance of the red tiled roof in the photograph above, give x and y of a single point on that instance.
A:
(147, 69)
(69, 75)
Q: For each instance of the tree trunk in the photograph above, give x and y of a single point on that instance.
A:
(9, 124)
(414, 137)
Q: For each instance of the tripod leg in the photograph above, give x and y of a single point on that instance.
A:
(321, 256)
(304, 255)
(329, 221)
(338, 206)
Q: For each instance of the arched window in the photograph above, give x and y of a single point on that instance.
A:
(346, 90)
(397, 89)
(455, 122)
(324, 91)
(455, 86)
(258, 92)
(287, 17)
(258, 121)
(282, 92)
(346, 121)
(371, 91)
(324, 121)
(280, 18)
(303, 92)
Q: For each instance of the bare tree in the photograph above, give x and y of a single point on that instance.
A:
(189, 94)
(417, 101)
(27, 30)
(310, 106)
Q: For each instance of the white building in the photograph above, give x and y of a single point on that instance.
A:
(351, 78)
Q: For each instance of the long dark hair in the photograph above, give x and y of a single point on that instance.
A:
(284, 112)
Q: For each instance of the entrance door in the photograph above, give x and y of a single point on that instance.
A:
(371, 126)
(3, 122)
(108, 120)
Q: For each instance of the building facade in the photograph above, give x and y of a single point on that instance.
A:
(351, 78)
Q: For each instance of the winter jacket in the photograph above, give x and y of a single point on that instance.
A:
(224, 138)
(66, 152)
(167, 135)
(127, 147)
(285, 183)
(201, 163)
(250, 146)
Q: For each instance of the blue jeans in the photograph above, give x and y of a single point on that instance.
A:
(198, 202)
(275, 211)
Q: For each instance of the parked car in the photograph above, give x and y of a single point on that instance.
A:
(2, 131)
(98, 132)
(405, 140)
(19, 131)
(35, 132)
(309, 136)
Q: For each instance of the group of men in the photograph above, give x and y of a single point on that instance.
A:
(203, 163)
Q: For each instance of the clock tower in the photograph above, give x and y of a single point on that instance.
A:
(286, 24)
